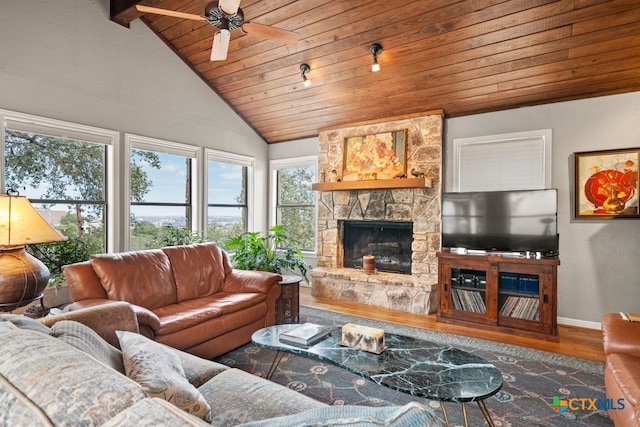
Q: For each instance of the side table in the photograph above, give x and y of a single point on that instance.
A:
(288, 304)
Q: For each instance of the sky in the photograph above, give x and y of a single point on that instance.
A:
(168, 185)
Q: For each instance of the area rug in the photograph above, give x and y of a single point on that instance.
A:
(540, 388)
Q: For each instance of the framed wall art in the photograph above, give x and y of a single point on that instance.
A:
(606, 184)
(377, 156)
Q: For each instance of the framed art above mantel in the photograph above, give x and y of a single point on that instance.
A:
(378, 156)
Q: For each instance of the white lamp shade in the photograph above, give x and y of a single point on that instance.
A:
(21, 224)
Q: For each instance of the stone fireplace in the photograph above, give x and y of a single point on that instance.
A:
(339, 274)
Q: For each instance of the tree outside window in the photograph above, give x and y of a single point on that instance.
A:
(296, 204)
(65, 180)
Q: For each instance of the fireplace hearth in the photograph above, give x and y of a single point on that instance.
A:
(388, 241)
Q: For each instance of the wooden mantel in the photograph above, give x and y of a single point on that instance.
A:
(373, 184)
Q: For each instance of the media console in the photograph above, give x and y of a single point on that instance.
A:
(515, 294)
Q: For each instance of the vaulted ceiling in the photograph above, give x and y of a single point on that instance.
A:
(464, 57)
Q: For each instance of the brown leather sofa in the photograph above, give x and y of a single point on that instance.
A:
(621, 341)
(187, 297)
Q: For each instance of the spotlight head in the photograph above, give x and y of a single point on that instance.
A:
(304, 69)
(375, 50)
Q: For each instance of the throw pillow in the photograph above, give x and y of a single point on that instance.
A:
(159, 372)
(86, 339)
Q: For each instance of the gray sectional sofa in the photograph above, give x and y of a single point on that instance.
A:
(61, 370)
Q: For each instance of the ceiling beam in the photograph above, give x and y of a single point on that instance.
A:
(124, 11)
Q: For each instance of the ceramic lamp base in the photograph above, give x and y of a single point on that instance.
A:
(22, 278)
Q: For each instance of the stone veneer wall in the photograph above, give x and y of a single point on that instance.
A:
(415, 293)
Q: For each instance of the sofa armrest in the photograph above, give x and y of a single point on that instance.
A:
(251, 281)
(620, 336)
(148, 321)
(105, 319)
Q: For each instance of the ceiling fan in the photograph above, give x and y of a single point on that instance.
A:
(226, 15)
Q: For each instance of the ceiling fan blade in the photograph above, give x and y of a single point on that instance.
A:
(271, 33)
(166, 12)
(220, 45)
(230, 7)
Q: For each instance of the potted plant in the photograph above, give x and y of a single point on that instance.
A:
(56, 255)
(276, 252)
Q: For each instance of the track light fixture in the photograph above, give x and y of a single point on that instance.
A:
(375, 50)
(304, 69)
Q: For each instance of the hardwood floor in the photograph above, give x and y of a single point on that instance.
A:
(574, 341)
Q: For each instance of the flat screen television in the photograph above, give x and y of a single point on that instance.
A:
(511, 221)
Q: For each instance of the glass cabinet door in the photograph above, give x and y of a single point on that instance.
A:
(469, 290)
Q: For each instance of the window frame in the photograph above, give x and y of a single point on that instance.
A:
(139, 142)
(293, 162)
(236, 159)
(23, 122)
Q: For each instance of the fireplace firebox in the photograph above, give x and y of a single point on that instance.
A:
(388, 241)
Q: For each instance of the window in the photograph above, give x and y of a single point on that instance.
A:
(63, 169)
(161, 192)
(295, 201)
(228, 191)
(516, 161)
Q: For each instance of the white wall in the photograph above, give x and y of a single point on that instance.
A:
(298, 148)
(600, 269)
(66, 60)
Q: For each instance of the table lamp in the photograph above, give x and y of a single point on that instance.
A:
(23, 277)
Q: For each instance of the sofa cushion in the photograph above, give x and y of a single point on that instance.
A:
(198, 370)
(210, 335)
(160, 373)
(241, 397)
(86, 339)
(64, 383)
(177, 317)
(186, 314)
(199, 270)
(410, 415)
(154, 412)
(143, 278)
(230, 303)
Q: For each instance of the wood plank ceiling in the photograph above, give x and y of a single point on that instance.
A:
(464, 57)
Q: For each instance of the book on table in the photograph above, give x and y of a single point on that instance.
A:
(305, 334)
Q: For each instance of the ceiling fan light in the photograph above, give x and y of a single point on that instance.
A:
(229, 7)
(220, 45)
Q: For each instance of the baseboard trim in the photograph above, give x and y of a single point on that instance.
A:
(579, 323)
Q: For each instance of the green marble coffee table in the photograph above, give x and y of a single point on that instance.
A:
(410, 365)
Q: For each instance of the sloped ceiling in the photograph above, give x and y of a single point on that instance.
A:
(464, 57)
